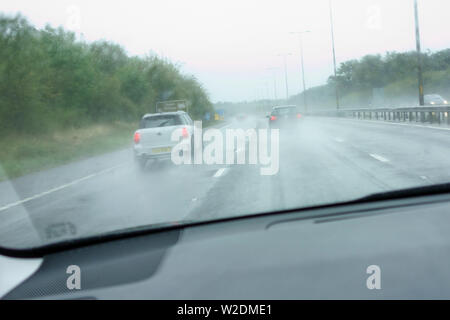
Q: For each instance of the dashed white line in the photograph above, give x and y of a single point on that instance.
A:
(225, 126)
(219, 172)
(378, 157)
(42, 194)
(340, 140)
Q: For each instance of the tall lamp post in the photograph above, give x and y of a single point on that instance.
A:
(285, 72)
(300, 34)
(334, 55)
(274, 82)
(419, 54)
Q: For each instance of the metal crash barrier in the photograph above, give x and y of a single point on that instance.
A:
(432, 114)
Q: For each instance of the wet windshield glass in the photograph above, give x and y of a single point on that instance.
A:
(124, 114)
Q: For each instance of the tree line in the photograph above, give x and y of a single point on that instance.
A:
(50, 80)
(395, 74)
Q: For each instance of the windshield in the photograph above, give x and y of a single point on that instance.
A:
(143, 114)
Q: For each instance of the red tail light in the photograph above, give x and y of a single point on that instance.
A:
(185, 133)
(272, 118)
(299, 115)
(137, 137)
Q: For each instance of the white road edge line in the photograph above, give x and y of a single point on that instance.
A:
(40, 195)
(378, 157)
(400, 124)
(219, 172)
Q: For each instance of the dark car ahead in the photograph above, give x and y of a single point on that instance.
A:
(284, 117)
(434, 99)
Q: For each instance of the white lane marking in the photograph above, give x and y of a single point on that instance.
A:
(378, 157)
(340, 140)
(220, 126)
(72, 183)
(424, 177)
(219, 172)
(399, 124)
(417, 125)
(225, 126)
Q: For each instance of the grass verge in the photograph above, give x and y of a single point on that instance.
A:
(23, 154)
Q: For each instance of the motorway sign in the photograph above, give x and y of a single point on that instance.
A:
(171, 106)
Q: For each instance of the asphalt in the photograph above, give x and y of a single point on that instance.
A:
(326, 160)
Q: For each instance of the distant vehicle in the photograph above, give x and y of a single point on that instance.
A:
(434, 99)
(284, 116)
(241, 117)
(153, 139)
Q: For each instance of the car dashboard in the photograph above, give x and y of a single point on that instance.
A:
(321, 253)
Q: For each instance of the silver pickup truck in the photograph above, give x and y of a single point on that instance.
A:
(153, 139)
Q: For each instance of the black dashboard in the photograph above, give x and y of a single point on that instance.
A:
(322, 253)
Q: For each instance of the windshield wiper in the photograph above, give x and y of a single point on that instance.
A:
(407, 193)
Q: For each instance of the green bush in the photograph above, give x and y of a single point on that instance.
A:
(395, 72)
(51, 81)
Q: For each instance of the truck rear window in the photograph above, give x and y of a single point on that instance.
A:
(161, 121)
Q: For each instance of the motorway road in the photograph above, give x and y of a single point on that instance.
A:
(327, 160)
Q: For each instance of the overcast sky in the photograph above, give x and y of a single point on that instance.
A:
(229, 45)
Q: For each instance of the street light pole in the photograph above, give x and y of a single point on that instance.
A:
(274, 82)
(303, 67)
(334, 55)
(285, 77)
(419, 55)
(285, 73)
